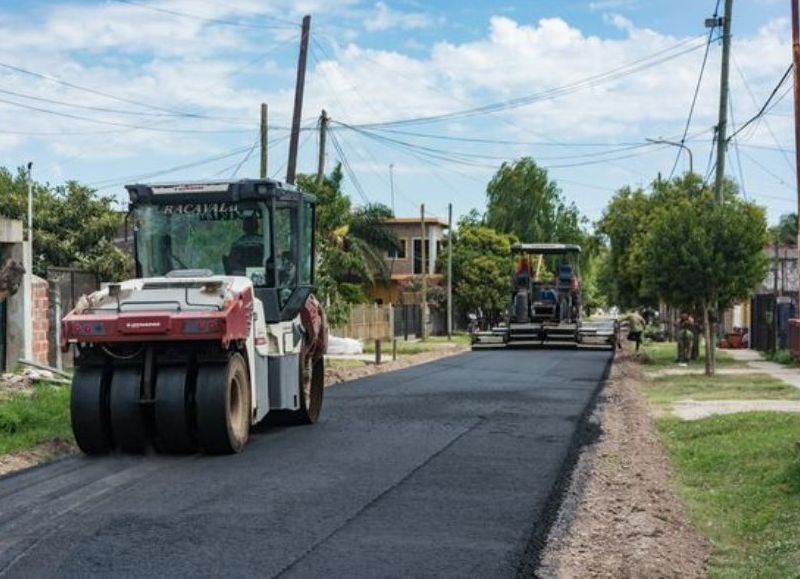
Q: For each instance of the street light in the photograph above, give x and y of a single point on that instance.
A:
(676, 144)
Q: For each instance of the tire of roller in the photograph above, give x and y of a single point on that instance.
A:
(222, 406)
(128, 422)
(173, 411)
(89, 412)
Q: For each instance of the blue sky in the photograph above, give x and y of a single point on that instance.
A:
(170, 90)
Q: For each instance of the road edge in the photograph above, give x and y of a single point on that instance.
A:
(586, 433)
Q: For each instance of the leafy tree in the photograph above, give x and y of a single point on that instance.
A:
(482, 266)
(72, 226)
(351, 243)
(523, 201)
(698, 253)
(625, 221)
(786, 230)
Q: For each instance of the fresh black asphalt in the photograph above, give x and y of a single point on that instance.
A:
(443, 469)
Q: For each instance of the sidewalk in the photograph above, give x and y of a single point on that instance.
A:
(756, 362)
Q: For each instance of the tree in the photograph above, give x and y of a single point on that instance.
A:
(786, 230)
(699, 253)
(523, 201)
(482, 266)
(351, 243)
(72, 224)
(625, 221)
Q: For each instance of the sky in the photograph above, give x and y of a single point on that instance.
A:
(120, 91)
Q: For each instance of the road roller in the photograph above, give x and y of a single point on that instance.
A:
(219, 330)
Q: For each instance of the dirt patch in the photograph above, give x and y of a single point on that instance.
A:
(621, 517)
(337, 375)
(41, 453)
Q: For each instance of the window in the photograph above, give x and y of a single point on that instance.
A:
(226, 238)
(398, 253)
(418, 255)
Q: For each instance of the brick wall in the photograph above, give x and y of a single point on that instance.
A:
(40, 319)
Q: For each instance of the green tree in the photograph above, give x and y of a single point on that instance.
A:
(351, 243)
(786, 229)
(698, 253)
(482, 266)
(72, 226)
(523, 201)
(625, 222)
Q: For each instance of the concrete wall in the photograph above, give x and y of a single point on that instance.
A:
(12, 247)
(408, 232)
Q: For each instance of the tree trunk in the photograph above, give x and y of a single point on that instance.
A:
(709, 336)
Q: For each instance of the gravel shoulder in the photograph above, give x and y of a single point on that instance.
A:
(621, 516)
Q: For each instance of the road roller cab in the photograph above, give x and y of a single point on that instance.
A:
(219, 329)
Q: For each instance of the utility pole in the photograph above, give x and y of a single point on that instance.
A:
(323, 135)
(449, 271)
(291, 168)
(27, 289)
(722, 127)
(424, 264)
(391, 185)
(796, 61)
(263, 172)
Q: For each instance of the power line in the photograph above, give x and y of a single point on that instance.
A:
(347, 167)
(696, 91)
(763, 108)
(763, 118)
(220, 21)
(736, 147)
(550, 94)
(115, 181)
(117, 124)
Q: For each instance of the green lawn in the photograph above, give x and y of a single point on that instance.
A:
(739, 475)
(27, 420)
(668, 389)
(344, 363)
(662, 355)
(417, 346)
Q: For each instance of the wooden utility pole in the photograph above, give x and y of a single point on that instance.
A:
(323, 135)
(291, 168)
(424, 267)
(722, 127)
(263, 172)
(449, 271)
(796, 61)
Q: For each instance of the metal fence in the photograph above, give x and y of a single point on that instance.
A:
(367, 322)
(66, 285)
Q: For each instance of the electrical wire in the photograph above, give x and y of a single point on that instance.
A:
(696, 92)
(736, 147)
(347, 167)
(764, 107)
(556, 92)
(220, 21)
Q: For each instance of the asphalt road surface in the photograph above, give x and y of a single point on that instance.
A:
(448, 468)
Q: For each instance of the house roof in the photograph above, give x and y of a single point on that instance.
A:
(416, 220)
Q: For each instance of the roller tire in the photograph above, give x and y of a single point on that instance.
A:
(312, 376)
(89, 412)
(222, 402)
(128, 422)
(173, 411)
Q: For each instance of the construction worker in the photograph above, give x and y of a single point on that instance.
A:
(685, 337)
(636, 325)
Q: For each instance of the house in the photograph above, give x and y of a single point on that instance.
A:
(405, 264)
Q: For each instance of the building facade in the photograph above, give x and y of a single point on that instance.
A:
(405, 265)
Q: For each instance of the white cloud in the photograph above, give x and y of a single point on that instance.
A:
(384, 18)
